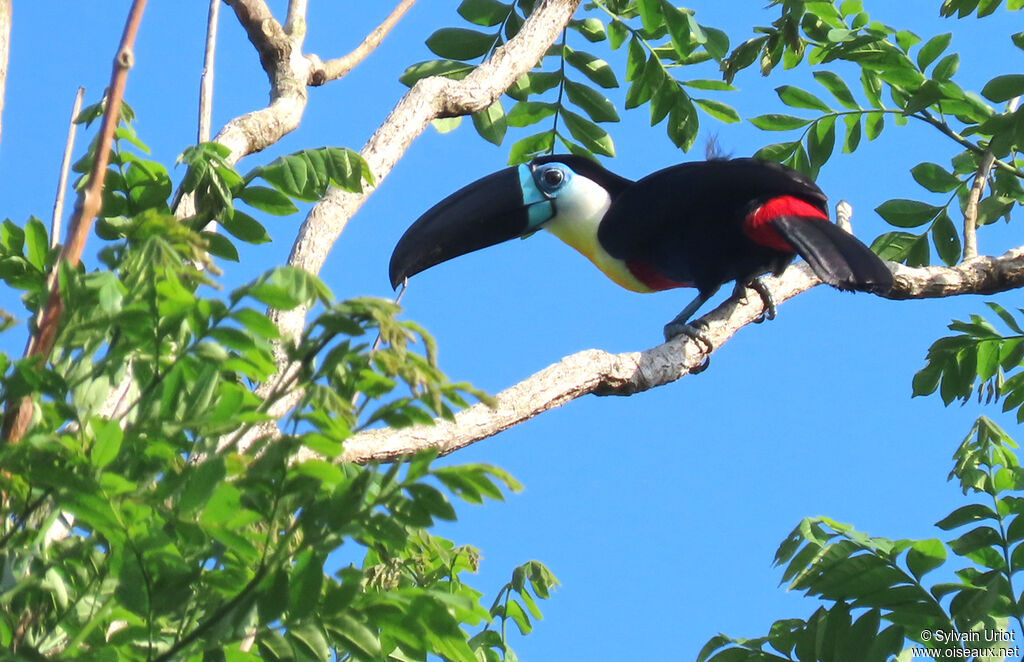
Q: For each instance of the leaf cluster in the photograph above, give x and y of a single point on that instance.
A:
(875, 589)
(902, 77)
(149, 532)
(569, 85)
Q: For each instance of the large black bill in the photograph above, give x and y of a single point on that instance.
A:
(487, 212)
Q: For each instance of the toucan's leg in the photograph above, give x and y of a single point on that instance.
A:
(758, 285)
(679, 327)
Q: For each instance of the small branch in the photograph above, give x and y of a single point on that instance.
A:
(973, 198)
(977, 190)
(338, 67)
(295, 20)
(264, 32)
(206, 80)
(65, 166)
(5, 46)
(18, 414)
(601, 373)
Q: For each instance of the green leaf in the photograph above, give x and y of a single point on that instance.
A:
(447, 68)
(907, 213)
(484, 12)
(592, 29)
(592, 67)
(245, 227)
(220, 246)
(798, 98)
(873, 124)
(834, 84)
(925, 556)
(966, 514)
(1004, 88)
(718, 110)
(524, 149)
(852, 139)
(107, 442)
(946, 67)
(589, 134)
(932, 49)
(934, 177)
(946, 239)
(288, 174)
(596, 105)
(821, 140)
(267, 200)
(778, 122)
(617, 33)
(1018, 39)
(490, 123)
(525, 113)
(678, 28)
(650, 14)
(460, 43)
(36, 243)
(357, 636)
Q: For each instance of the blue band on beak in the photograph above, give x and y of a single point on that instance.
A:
(539, 206)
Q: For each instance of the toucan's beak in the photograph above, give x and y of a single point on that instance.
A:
(487, 212)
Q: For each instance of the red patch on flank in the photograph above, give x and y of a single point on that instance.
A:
(646, 274)
(757, 224)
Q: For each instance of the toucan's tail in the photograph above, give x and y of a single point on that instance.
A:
(836, 256)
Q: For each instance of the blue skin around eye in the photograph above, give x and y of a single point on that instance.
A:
(540, 205)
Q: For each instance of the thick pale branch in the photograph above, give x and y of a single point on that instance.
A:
(601, 373)
(265, 33)
(428, 100)
(338, 67)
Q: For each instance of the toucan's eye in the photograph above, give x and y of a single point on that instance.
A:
(553, 177)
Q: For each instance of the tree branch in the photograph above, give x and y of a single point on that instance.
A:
(18, 414)
(602, 373)
(206, 80)
(338, 67)
(429, 99)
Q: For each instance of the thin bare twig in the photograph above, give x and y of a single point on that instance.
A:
(18, 414)
(206, 80)
(338, 67)
(65, 166)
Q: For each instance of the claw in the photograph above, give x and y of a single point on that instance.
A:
(758, 285)
(675, 329)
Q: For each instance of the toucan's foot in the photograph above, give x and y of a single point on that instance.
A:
(758, 285)
(675, 329)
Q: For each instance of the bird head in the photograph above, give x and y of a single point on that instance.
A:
(561, 193)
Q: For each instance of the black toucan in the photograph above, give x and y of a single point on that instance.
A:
(699, 224)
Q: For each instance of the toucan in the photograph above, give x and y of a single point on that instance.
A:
(699, 224)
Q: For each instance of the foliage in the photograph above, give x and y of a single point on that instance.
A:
(902, 77)
(151, 533)
(874, 590)
(875, 586)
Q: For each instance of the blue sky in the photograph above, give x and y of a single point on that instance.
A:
(660, 513)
